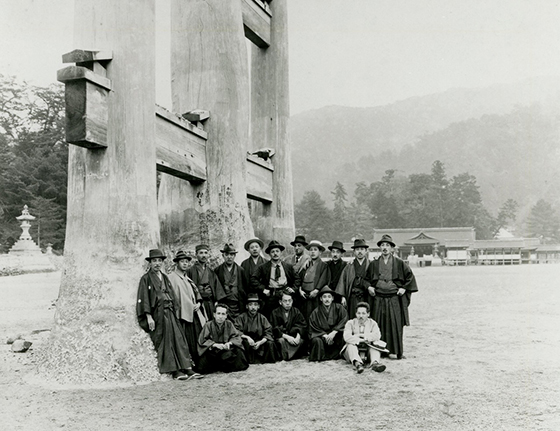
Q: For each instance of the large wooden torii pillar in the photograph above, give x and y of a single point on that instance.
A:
(121, 139)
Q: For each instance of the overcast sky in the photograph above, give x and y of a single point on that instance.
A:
(344, 52)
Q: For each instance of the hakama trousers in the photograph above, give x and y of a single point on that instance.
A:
(321, 351)
(265, 354)
(223, 360)
(388, 315)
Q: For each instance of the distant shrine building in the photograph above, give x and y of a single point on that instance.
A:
(459, 246)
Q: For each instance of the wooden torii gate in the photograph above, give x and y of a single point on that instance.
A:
(116, 208)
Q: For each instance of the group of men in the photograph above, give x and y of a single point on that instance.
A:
(270, 309)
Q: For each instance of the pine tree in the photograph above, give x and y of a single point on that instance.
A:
(339, 226)
(543, 222)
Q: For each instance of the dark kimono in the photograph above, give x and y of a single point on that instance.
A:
(390, 310)
(353, 285)
(208, 285)
(233, 283)
(220, 360)
(314, 276)
(292, 324)
(335, 271)
(155, 297)
(249, 268)
(321, 322)
(257, 327)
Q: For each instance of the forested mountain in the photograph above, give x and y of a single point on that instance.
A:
(505, 135)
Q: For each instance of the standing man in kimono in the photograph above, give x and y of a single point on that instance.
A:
(362, 335)
(314, 277)
(209, 286)
(300, 258)
(289, 329)
(353, 285)
(273, 278)
(254, 247)
(190, 302)
(391, 286)
(256, 333)
(156, 309)
(336, 265)
(326, 325)
(232, 278)
(219, 345)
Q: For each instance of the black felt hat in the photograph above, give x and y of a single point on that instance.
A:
(154, 253)
(181, 255)
(228, 248)
(360, 243)
(386, 238)
(274, 244)
(338, 245)
(327, 289)
(300, 239)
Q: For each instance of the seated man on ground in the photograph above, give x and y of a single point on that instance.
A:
(326, 324)
(288, 329)
(362, 337)
(219, 345)
(256, 333)
(156, 309)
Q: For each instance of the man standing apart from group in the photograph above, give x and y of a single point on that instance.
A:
(353, 285)
(273, 278)
(392, 284)
(190, 302)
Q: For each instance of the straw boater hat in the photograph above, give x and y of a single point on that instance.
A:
(338, 245)
(274, 244)
(181, 255)
(229, 248)
(315, 243)
(379, 345)
(386, 238)
(360, 243)
(300, 239)
(251, 241)
(156, 253)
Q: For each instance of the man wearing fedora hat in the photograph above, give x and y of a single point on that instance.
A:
(273, 277)
(362, 337)
(190, 310)
(300, 258)
(232, 278)
(256, 333)
(326, 325)
(353, 285)
(254, 246)
(391, 286)
(156, 309)
(208, 285)
(336, 265)
(314, 276)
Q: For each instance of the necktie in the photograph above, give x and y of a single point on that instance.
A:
(297, 259)
(277, 273)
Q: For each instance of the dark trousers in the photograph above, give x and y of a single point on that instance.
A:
(321, 351)
(192, 330)
(265, 354)
(223, 360)
(271, 302)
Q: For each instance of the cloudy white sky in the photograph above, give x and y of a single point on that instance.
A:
(345, 52)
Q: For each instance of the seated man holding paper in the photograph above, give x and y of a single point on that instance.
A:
(363, 341)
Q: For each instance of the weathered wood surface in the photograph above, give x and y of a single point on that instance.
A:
(112, 209)
(270, 114)
(82, 55)
(210, 71)
(259, 179)
(256, 23)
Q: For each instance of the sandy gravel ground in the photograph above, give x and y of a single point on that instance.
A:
(483, 354)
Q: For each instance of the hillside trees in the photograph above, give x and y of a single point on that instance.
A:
(544, 222)
(33, 161)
